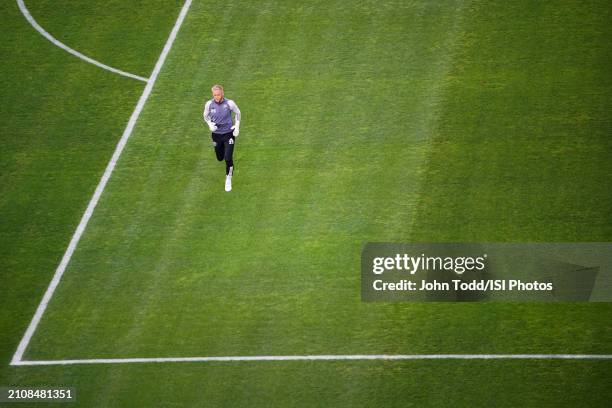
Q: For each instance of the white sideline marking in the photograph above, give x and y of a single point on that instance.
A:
(324, 357)
(99, 189)
(33, 23)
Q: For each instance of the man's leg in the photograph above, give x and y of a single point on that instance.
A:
(229, 163)
(219, 149)
(229, 156)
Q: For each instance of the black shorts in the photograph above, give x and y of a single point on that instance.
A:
(224, 146)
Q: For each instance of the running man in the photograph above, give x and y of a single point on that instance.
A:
(218, 117)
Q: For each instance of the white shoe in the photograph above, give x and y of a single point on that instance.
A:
(228, 183)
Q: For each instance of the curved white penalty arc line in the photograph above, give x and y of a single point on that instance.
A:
(33, 23)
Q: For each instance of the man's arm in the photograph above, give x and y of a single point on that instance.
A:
(234, 108)
(206, 113)
(207, 118)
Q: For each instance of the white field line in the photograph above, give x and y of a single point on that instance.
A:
(99, 189)
(17, 357)
(33, 23)
(322, 357)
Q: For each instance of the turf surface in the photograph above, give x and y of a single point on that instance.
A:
(394, 121)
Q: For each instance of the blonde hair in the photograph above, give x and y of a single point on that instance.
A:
(217, 87)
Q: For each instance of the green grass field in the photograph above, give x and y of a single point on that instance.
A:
(394, 121)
